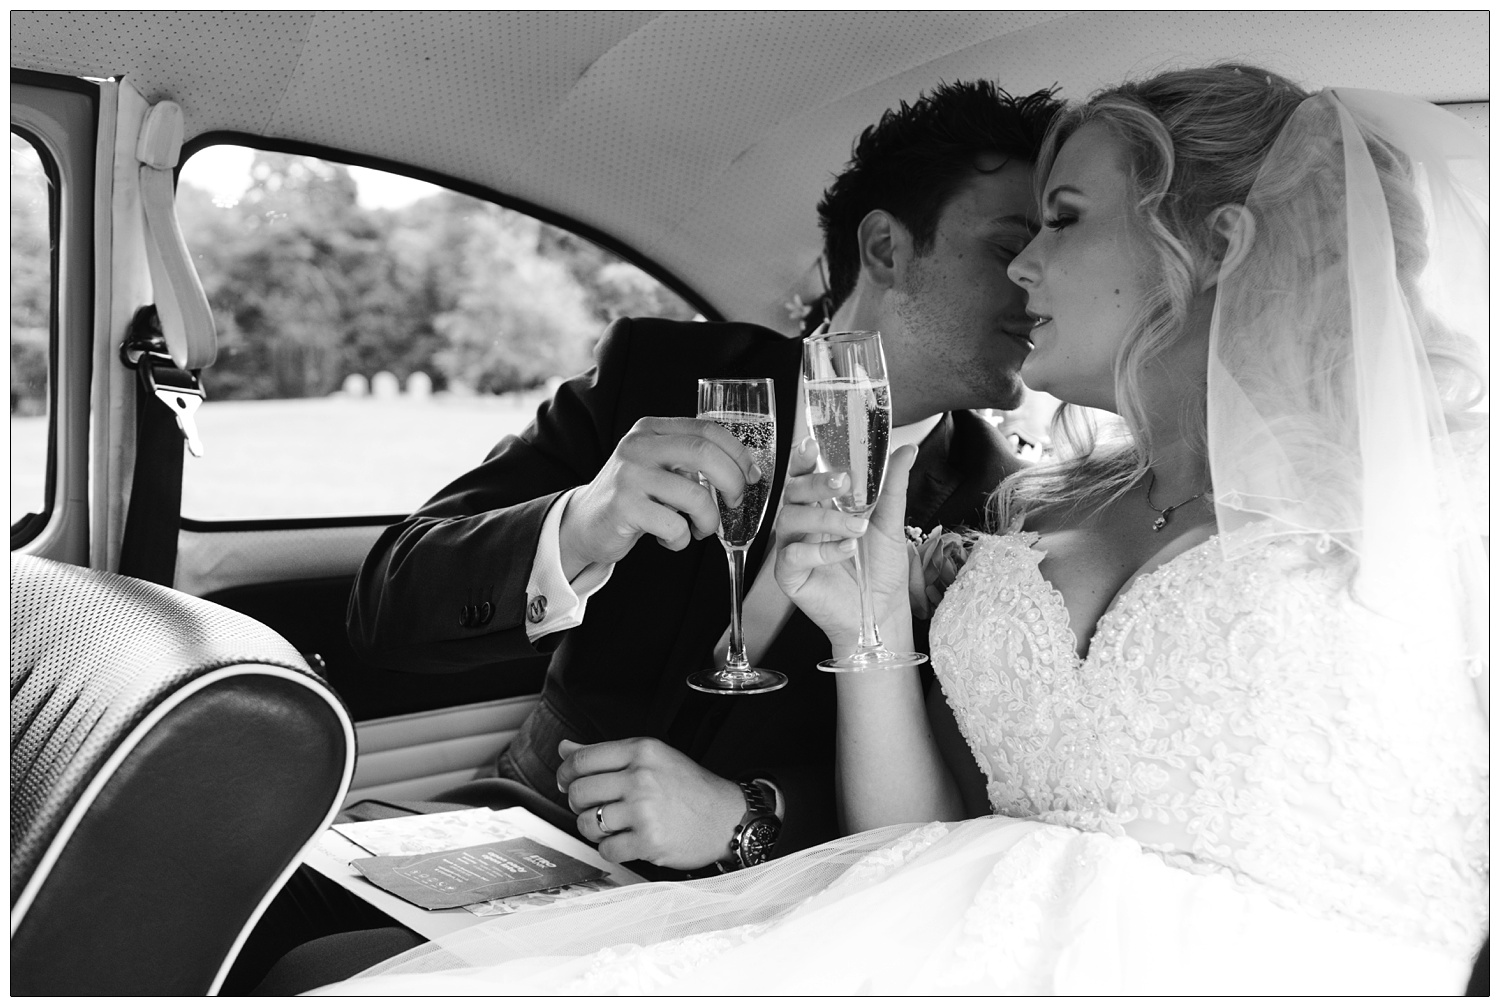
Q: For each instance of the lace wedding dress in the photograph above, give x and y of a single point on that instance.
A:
(1249, 783)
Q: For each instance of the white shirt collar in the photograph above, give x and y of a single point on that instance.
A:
(913, 433)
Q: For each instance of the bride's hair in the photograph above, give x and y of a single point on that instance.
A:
(1196, 140)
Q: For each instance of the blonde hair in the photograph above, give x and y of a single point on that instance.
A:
(1194, 141)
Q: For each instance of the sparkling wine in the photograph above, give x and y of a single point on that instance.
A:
(739, 525)
(851, 419)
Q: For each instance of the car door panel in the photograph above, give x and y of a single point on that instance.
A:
(310, 614)
(413, 756)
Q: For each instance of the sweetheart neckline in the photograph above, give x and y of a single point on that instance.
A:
(1058, 607)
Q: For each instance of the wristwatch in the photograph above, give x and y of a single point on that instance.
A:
(757, 832)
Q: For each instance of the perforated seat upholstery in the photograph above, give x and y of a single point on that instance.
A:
(169, 760)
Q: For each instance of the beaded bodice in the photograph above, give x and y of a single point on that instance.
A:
(1244, 716)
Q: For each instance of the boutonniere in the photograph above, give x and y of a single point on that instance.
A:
(935, 558)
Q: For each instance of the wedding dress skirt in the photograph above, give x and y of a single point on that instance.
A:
(993, 905)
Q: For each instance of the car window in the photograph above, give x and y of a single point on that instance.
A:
(31, 300)
(377, 334)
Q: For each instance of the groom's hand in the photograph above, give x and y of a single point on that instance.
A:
(649, 486)
(656, 803)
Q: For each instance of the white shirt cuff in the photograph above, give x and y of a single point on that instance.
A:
(553, 603)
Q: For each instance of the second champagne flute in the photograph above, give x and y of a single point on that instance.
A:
(746, 407)
(849, 413)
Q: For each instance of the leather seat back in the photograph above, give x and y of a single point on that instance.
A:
(170, 758)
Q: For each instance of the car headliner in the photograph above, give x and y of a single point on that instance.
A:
(698, 141)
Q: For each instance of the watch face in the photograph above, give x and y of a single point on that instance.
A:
(757, 839)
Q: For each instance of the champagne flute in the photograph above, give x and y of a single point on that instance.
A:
(746, 407)
(849, 413)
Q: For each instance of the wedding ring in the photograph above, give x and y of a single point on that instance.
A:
(599, 817)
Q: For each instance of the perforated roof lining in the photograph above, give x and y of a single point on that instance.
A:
(702, 140)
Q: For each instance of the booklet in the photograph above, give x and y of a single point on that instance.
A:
(463, 877)
(334, 852)
(436, 833)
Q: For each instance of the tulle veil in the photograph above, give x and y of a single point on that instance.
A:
(1348, 360)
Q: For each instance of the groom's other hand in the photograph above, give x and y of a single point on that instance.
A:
(656, 804)
(649, 486)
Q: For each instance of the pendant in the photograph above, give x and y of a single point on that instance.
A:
(1159, 523)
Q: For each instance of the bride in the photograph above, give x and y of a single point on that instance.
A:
(1224, 673)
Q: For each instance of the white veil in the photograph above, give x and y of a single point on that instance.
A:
(1347, 361)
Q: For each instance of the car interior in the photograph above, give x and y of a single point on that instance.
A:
(299, 231)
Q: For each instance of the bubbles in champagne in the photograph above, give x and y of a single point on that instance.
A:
(739, 525)
(851, 419)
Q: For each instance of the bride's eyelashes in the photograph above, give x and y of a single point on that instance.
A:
(1059, 222)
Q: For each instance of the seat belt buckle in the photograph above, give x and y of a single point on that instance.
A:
(179, 390)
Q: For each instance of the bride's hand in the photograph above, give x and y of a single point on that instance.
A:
(816, 544)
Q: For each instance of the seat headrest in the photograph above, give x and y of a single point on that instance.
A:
(92, 654)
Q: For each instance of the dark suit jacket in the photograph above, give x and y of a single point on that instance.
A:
(621, 673)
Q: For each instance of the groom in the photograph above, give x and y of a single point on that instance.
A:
(582, 538)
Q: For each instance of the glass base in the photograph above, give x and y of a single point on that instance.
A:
(872, 660)
(730, 682)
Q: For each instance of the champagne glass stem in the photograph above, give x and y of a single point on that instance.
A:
(735, 660)
(869, 636)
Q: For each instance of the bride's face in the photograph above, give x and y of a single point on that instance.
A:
(1084, 273)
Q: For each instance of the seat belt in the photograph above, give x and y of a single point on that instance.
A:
(167, 344)
(148, 548)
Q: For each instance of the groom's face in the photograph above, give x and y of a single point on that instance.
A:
(962, 314)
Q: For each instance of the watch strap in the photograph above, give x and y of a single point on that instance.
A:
(757, 801)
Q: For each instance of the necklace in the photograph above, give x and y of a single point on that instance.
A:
(1165, 515)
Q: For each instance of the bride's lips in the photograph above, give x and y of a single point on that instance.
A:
(1038, 319)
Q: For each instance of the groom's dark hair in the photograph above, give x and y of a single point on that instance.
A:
(911, 162)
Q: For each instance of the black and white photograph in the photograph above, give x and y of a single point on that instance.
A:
(749, 503)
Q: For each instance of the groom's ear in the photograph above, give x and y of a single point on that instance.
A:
(883, 247)
(1233, 229)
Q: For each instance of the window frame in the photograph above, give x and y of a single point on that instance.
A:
(47, 113)
(29, 526)
(350, 159)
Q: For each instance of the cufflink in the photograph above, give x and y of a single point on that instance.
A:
(536, 609)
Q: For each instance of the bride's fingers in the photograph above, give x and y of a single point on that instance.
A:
(799, 557)
(890, 510)
(803, 459)
(802, 521)
(805, 485)
(815, 487)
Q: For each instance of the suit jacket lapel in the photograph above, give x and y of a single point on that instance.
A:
(959, 464)
(933, 479)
